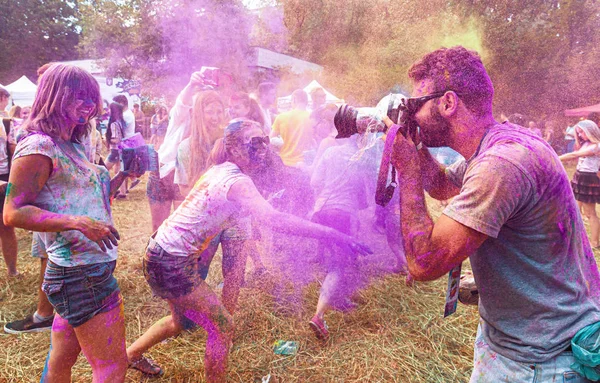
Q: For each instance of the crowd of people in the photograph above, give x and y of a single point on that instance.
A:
(235, 173)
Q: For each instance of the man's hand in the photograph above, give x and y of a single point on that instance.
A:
(405, 157)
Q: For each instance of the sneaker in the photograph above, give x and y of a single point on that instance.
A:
(319, 327)
(147, 367)
(27, 325)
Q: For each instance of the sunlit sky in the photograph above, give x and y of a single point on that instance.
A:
(253, 4)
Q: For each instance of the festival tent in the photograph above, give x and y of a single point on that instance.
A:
(22, 91)
(583, 112)
(285, 103)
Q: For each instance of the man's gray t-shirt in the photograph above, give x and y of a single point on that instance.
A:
(536, 274)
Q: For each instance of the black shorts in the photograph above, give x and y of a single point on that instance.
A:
(586, 187)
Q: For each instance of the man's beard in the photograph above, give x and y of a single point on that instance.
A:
(436, 132)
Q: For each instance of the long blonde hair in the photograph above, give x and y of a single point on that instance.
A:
(58, 86)
(200, 138)
(591, 130)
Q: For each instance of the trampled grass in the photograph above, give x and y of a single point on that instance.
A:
(397, 334)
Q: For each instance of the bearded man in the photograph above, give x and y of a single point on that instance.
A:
(513, 215)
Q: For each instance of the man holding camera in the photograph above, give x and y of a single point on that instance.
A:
(513, 215)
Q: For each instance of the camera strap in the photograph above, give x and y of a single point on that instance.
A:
(384, 192)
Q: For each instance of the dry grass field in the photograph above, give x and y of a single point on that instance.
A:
(397, 334)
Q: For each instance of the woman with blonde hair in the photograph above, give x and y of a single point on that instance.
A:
(57, 192)
(585, 183)
(193, 160)
(206, 127)
(15, 112)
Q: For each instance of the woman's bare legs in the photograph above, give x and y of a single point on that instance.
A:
(8, 241)
(104, 350)
(64, 349)
(201, 306)
(235, 254)
(589, 210)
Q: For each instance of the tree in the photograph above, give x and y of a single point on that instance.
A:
(541, 54)
(35, 32)
(161, 42)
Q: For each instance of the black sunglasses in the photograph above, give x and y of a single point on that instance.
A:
(414, 104)
(257, 142)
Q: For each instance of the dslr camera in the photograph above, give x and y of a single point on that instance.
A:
(401, 110)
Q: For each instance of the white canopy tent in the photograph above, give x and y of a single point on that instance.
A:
(22, 91)
(285, 103)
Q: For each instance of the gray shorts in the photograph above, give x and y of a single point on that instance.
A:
(491, 367)
(38, 248)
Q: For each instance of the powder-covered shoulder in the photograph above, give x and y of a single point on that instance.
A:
(35, 143)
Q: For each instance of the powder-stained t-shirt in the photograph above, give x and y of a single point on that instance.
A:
(183, 165)
(296, 133)
(75, 187)
(204, 214)
(536, 274)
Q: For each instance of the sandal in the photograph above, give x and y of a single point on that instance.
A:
(147, 367)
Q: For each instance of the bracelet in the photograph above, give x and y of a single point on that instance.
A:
(420, 146)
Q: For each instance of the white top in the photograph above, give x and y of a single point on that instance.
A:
(129, 119)
(589, 164)
(203, 215)
(4, 150)
(178, 129)
(343, 176)
(75, 187)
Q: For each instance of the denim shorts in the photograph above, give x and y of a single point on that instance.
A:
(172, 276)
(79, 293)
(491, 367)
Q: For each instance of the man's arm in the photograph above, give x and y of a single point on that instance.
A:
(432, 250)
(435, 179)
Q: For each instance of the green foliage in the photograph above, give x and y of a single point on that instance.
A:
(161, 42)
(34, 32)
(542, 54)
